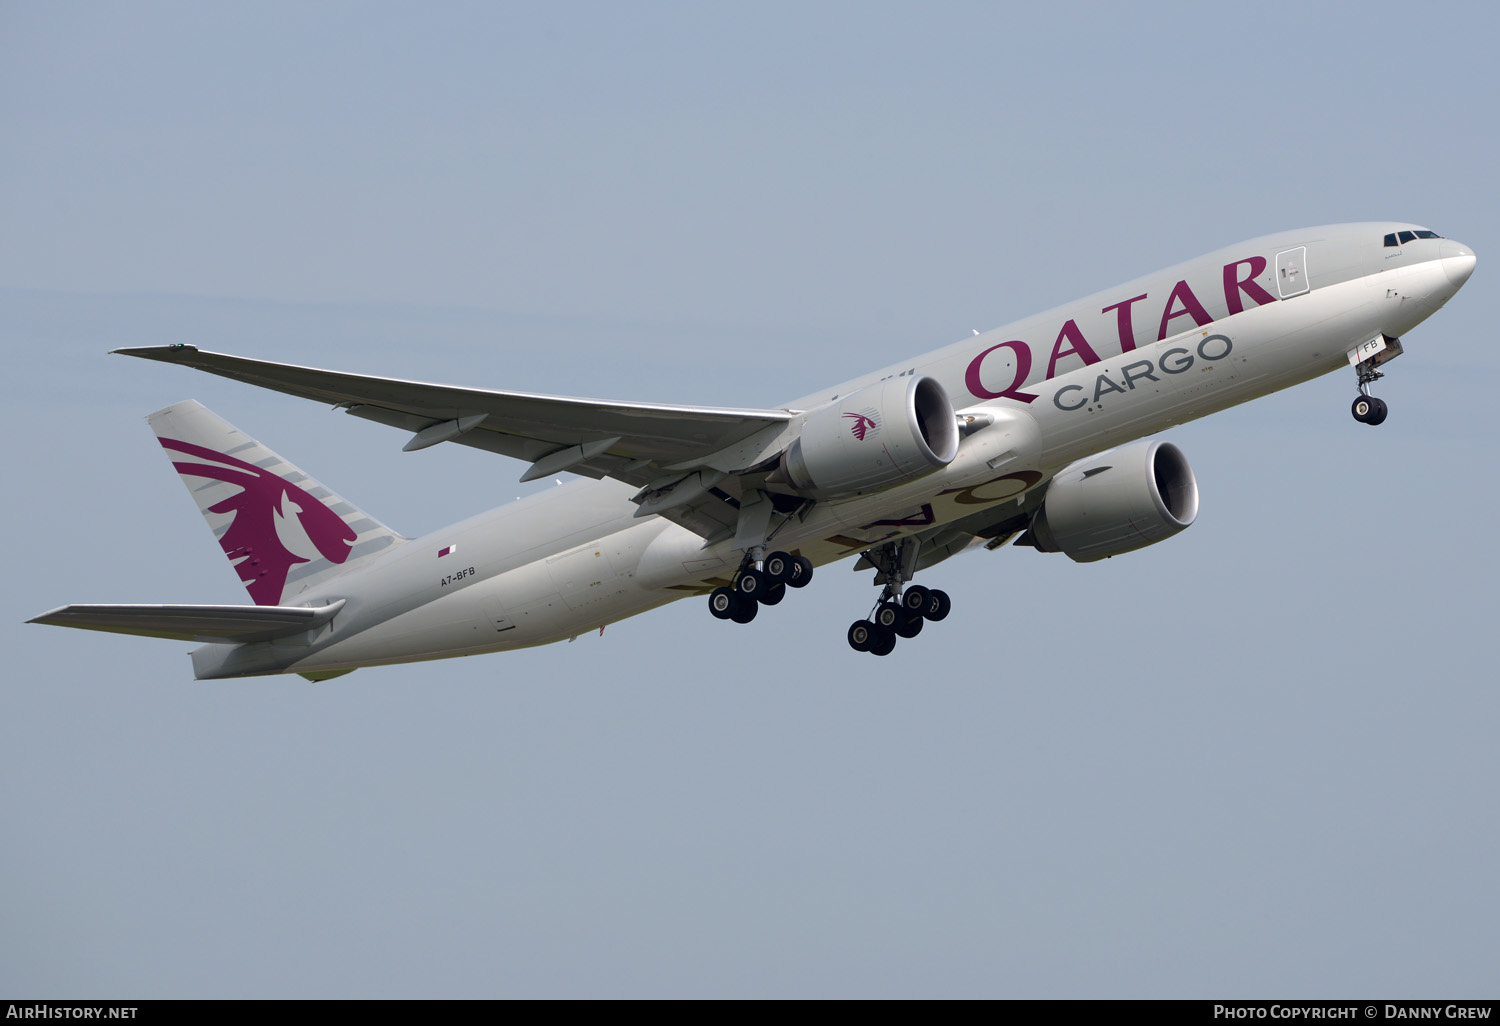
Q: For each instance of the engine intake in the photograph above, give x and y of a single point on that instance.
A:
(872, 439)
(1117, 502)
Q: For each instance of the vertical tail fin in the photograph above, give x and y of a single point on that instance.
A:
(282, 530)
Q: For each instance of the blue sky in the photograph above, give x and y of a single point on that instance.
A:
(1254, 761)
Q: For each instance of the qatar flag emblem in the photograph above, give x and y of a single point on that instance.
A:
(447, 551)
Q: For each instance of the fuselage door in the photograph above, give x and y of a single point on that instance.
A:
(1291, 272)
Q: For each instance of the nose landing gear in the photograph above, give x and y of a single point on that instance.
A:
(1371, 356)
(1367, 409)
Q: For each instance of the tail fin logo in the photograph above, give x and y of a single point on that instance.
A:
(253, 542)
(863, 424)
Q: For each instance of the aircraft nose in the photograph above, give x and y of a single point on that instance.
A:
(1458, 261)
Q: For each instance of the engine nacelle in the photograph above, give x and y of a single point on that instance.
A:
(879, 436)
(1117, 502)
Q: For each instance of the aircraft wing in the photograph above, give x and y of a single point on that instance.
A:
(639, 443)
(193, 623)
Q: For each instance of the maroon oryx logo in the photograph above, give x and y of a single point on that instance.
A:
(253, 542)
(862, 424)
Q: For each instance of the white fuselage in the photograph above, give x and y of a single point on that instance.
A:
(1171, 347)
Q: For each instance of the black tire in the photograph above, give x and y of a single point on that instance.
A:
(939, 605)
(774, 594)
(1363, 409)
(1379, 413)
(861, 634)
(888, 615)
(884, 643)
(722, 602)
(915, 599)
(745, 611)
(779, 568)
(910, 625)
(751, 584)
(802, 571)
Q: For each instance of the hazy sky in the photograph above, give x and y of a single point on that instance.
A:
(1257, 760)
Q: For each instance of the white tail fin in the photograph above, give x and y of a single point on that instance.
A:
(282, 530)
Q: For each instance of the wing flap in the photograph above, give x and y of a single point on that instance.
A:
(193, 622)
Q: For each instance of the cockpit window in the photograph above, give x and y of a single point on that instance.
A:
(1395, 239)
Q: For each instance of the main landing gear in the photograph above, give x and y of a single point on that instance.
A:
(903, 609)
(898, 614)
(764, 585)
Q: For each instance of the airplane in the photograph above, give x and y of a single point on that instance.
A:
(1035, 433)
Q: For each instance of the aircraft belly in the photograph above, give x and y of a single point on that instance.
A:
(472, 619)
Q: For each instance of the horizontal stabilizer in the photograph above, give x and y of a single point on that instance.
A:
(193, 623)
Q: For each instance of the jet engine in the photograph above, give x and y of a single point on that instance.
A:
(1117, 502)
(879, 436)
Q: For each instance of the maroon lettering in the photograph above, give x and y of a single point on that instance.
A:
(1127, 330)
(1234, 285)
(1011, 486)
(1011, 391)
(1077, 346)
(1181, 293)
(849, 544)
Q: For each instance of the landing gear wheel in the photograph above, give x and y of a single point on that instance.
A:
(861, 634)
(910, 625)
(802, 571)
(1369, 410)
(745, 610)
(774, 594)
(888, 615)
(884, 643)
(751, 584)
(722, 603)
(915, 599)
(938, 605)
(779, 568)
